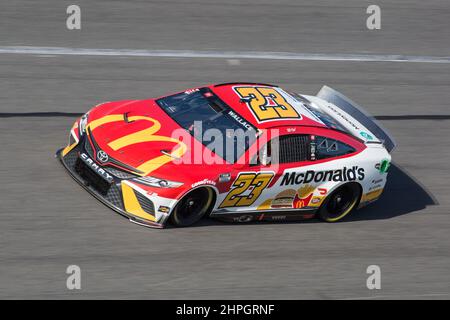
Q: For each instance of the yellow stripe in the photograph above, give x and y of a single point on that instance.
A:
(140, 136)
(146, 135)
(67, 149)
(372, 195)
(157, 162)
(106, 119)
(132, 205)
(265, 205)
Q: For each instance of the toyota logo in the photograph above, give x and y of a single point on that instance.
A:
(102, 156)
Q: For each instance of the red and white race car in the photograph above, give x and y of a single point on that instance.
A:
(235, 151)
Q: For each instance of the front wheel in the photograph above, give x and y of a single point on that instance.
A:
(340, 203)
(192, 207)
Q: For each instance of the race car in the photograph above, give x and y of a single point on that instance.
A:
(239, 152)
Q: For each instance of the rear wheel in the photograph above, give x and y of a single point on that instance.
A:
(340, 203)
(192, 207)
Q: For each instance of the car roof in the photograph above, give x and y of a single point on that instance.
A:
(265, 105)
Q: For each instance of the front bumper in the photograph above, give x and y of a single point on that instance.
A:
(114, 194)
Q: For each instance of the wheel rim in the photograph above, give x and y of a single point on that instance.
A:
(191, 205)
(340, 203)
(194, 205)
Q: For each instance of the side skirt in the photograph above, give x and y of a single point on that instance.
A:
(264, 215)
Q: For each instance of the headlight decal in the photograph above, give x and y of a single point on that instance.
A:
(158, 183)
(73, 137)
(73, 141)
(82, 124)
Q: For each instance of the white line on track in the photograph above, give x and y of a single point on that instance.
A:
(221, 54)
(392, 296)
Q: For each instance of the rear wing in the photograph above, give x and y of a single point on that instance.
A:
(359, 114)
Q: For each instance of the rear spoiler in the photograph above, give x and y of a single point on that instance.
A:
(358, 113)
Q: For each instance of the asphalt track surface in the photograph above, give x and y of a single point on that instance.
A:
(48, 222)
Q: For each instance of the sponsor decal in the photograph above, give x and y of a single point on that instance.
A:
(203, 182)
(340, 175)
(316, 200)
(290, 198)
(163, 209)
(372, 195)
(96, 168)
(378, 186)
(343, 116)
(301, 202)
(303, 197)
(240, 120)
(384, 165)
(365, 135)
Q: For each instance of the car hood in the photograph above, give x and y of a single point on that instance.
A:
(140, 135)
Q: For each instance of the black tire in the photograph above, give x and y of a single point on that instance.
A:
(340, 202)
(192, 207)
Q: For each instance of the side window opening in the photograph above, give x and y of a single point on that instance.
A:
(285, 149)
(297, 148)
(293, 148)
(328, 148)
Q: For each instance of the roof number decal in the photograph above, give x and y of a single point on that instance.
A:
(266, 103)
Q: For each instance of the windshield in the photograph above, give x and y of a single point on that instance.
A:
(211, 121)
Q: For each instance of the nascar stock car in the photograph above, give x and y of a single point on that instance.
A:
(235, 151)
